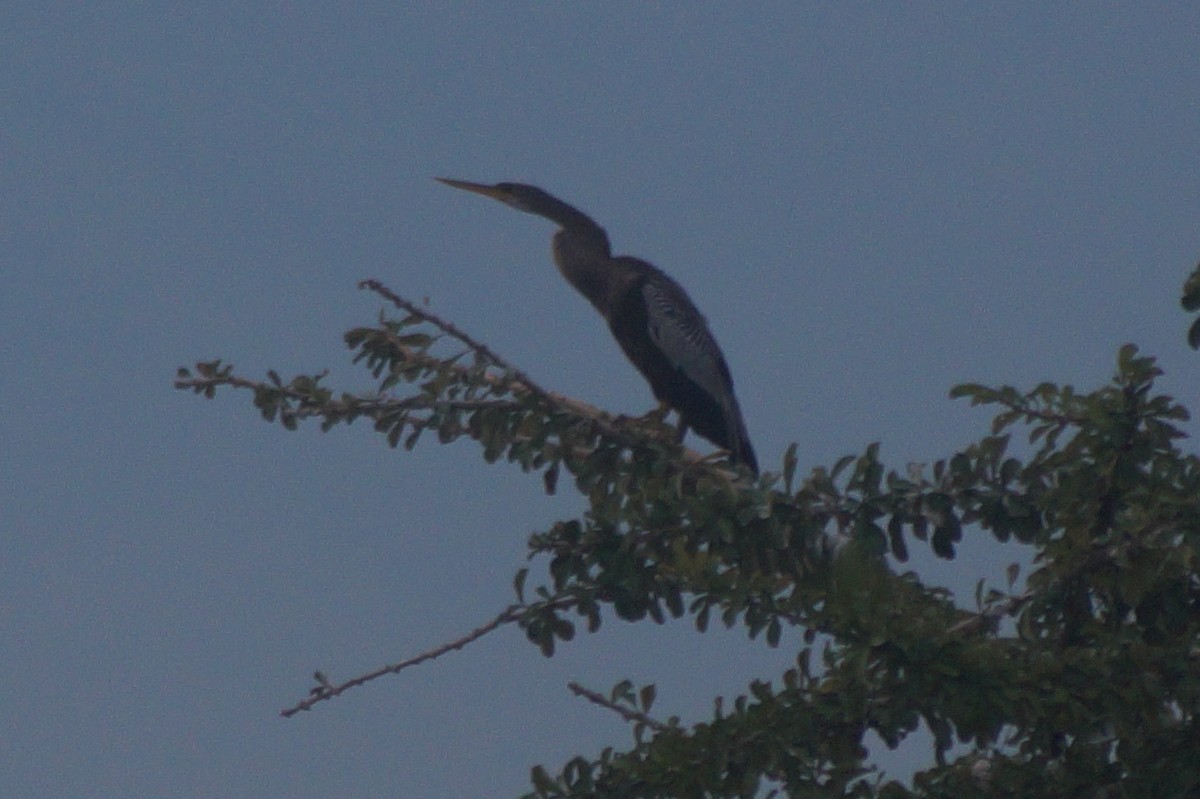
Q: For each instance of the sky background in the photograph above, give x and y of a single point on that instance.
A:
(870, 202)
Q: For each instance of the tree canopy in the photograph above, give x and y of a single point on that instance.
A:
(1081, 678)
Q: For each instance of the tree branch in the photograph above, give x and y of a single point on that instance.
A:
(987, 619)
(515, 379)
(629, 714)
(327, 690)
(301, 399)
(452, 330)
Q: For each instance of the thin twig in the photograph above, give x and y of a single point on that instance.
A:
(367, 406)
(326, 690)
(624, 712)
(977, 622)
(454, 331)
(376, 406)
(1025, 407)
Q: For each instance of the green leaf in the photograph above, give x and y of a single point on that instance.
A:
(1013, 570)
(411, 440)
(972, 390)
(774, 632)
(841, 465)
(702, 618)
(1125, 358)
(1191, 291)
(646, 695)
(895, 530)
(550, 478)
(542, 782)
(789, 466)
(564, 629)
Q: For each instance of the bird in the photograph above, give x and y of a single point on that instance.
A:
(652, 318)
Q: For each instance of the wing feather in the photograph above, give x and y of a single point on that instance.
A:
(667, 339)
(680, 332)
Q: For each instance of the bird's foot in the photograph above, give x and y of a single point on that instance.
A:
(656, 416)
(655, 422)
(717, 456)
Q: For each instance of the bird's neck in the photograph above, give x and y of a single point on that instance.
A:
(584, 258)
(567, 216)
(587, 238)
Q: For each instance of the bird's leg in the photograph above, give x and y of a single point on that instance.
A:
(657, 415)
(655, 419)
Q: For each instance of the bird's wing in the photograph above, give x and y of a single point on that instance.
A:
(681, 334)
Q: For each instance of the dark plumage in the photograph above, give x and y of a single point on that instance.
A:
(651, 316)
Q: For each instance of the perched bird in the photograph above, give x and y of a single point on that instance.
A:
(651, 316)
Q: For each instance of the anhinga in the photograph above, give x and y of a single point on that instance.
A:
(651, 316)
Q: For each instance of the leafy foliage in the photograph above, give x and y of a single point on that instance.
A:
(1084, 683)
(1191, 302)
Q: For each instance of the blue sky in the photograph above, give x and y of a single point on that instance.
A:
(870, 202)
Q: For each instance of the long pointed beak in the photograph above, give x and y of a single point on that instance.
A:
(478, 188)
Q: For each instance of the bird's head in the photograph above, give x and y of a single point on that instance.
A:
(529, 199)
(521, 196)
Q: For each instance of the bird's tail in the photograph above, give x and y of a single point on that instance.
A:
(740, 448)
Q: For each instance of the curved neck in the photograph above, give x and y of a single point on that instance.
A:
(583, 258)
(580, 236)
(567, 216)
